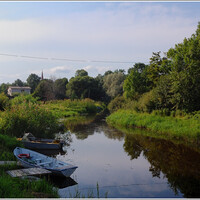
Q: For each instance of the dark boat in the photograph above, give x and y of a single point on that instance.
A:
(32, 142)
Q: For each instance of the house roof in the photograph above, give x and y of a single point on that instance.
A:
(17, 87)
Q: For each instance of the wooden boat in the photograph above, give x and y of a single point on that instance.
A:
(29, 158)
(31, 142)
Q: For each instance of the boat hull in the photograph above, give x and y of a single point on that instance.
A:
(36, 159)
(36, 145)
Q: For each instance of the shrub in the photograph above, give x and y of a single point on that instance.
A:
(28, 118)
(147, 102)
(116, 104)
(4, 102)
(24, 98)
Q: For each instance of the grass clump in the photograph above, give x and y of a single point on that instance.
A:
(185, 127)
(24, 188)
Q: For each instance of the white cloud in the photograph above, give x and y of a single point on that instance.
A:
(60, 69)
(127, 32)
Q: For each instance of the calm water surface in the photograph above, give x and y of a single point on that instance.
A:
(129, 165)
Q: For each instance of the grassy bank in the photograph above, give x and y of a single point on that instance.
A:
(69, 108)
(180, 128)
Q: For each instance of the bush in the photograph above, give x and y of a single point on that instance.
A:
(4, 102)
(116, 104)
(24, 98)
(28, 117)
(147, 102)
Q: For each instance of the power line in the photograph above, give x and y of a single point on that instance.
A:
(67, 59)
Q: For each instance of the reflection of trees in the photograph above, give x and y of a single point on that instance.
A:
(82, 127)
(132, 147)
(179, 164)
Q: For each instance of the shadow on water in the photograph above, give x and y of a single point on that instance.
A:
(62, 182)
(179, 164)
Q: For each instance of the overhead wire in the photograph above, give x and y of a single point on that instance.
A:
(67, 59)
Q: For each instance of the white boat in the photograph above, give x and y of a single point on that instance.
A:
(29, 158)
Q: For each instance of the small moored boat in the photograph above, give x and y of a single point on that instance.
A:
(31, 142)
(29, 158)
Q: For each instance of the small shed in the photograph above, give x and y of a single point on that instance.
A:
(15, 89)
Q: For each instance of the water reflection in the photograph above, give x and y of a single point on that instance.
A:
(129, 164)
(179, 164)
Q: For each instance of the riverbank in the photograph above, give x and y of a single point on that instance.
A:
(177, 128)
(17, 187)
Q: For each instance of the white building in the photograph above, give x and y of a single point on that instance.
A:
(15, 89)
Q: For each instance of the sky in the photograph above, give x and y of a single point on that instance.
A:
(59, 38)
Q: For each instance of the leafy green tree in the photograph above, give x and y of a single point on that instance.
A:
(60, 88)
(185, 73)
(113, 84)
(137, 82)
(81, 87)
(19, 83)
(81, 72)
(45, 90)
(158, 66)
(4, 101)
(4, 87)
(33, 81)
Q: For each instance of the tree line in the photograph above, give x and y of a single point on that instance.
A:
(102, 88)
(170, 81)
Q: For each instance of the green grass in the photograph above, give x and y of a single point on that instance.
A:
(180, 128)
(69, 108)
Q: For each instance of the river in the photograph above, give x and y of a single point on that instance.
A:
(114, 164)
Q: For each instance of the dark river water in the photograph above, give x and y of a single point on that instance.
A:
(113, 164)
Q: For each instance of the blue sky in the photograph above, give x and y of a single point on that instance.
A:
(88, 31)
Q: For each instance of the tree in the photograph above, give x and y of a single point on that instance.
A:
(158, 66)
(19, 83)
(45, 90)
(4, 102)
(113, 84)
(4, 87)
(137, 82)
(60, 88)
(185, 73)
(81, 72)
(33, 81)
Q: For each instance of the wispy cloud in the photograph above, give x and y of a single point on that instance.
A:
(127, 31)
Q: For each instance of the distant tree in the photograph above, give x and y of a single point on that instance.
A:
(158, 66)
(81, 87)
(19, 83)
(107, 72)
(113, 84)
(60, 88)
(119, 71)
(136, 82)
(140, 67)
(33, 81)
(45, 90)
(81, 72)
